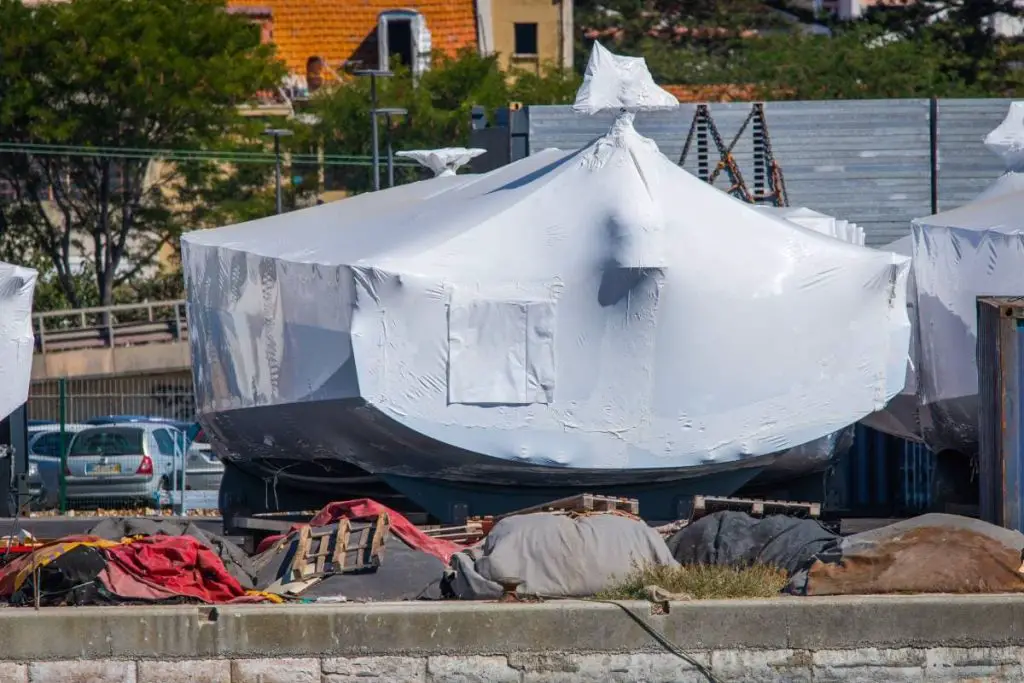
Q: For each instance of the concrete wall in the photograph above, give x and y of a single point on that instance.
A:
(554, 31)
(117, 360)
(940, 638)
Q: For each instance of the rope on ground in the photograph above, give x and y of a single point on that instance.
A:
(662, 640)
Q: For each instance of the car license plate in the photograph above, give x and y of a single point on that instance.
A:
(103, 469)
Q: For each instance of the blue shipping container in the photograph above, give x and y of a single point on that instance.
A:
(881, 476)
(1001, 410)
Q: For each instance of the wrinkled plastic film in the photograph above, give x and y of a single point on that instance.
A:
(17, 341)
(974, 250)
(618, 83)
(443, 162)
(621, 332)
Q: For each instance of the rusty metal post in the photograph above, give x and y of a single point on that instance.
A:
(42, 334)
(177, 323)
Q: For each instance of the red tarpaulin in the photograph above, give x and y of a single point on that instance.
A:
(161, 567)
(365, 508)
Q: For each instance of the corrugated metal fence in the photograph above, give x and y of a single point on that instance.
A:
(168, 395)
(881, 476)
(878, 163)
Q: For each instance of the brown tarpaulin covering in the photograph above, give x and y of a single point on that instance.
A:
(929, 554)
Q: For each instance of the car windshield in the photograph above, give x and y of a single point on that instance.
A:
(125, 441)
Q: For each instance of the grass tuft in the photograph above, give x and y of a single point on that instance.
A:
(699, 582)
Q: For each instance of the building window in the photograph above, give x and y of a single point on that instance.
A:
(526, 39)
(402, 36)
(399, 43)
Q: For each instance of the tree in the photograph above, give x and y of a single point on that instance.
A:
(439, 108)
(860, 61)
(974, 50)
(683, 41)
(913, 49)
(87, 87)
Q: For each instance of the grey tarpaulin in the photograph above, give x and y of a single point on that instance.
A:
(234, 558)
(555, 555)
(404, 574)
(731, 538)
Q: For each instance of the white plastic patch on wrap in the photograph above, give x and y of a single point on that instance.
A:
(1007, 139)
(617, 83)
(17, 342)
(500, 352)
(445, 161)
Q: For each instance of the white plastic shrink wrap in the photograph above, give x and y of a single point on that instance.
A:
(17, 285)
(976, 249)
(902, 416)
(600, 308)
(443, 162)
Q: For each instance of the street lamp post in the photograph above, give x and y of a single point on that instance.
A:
(374, 133)
(388, 112)
(277, 134)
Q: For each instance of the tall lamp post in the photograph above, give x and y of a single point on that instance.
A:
(277, 134)
(387, 113)
(374, 112)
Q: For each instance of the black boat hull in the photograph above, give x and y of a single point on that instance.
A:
(344, 449)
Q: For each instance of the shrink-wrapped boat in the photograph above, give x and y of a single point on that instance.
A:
(595, 320)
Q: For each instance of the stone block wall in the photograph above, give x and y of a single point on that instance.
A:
(866, 665)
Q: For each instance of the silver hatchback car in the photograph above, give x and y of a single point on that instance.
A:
(134, 462)
(204, 469)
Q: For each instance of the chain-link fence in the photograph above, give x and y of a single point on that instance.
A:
(125, 444)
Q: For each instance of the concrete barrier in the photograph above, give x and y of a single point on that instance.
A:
(933, 638)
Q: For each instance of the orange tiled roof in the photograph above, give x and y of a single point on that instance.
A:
(616, 33)
(713, 93)
(337, 29)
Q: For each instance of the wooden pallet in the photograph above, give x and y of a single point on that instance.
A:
(705, 505)
(341, 548)
(582, 503)
(470, 532)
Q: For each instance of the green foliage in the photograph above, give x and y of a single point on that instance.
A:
(165, 74)
(161, 286)
(858, 62)
(940, 48)
(972, 51)
(438, 105)
(683, 41)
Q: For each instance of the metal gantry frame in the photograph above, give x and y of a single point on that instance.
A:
(769, 183)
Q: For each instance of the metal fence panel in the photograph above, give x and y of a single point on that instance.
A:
(867, 161)
(558, 126)
(965, 165)
(168, 395)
